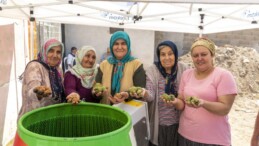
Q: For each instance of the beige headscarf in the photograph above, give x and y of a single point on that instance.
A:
(87, 75)
(206, 43)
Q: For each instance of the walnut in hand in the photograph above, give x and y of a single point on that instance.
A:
(192, 100)
(42, 91)
(73, 98)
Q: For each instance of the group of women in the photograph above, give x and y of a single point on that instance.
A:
(172, 123)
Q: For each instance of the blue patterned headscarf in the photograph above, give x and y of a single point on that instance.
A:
(119, 64)
(170, 78)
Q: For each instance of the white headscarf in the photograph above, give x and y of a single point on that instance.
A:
(87, 75)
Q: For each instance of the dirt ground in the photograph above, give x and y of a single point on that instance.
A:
(242, 118)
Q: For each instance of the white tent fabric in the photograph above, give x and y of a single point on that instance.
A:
(190, 16)
(11, 86)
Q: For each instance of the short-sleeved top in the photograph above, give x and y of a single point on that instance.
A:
(198, 124)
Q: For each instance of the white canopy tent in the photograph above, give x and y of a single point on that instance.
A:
(190, 16)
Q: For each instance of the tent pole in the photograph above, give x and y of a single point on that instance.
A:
(201, 31)
(200, 35)
(31, 40)
(15, 74)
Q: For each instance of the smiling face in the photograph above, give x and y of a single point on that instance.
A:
(120, 49)
(167, 58)
(54, 56)
(88, 60)
(202, 58)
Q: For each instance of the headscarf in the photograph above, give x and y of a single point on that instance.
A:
(54, 74)
(206, 43)
(119, 64)
(170, 85)
(42, 56)
(87, 75)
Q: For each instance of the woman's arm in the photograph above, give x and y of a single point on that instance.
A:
(70, 83)
(34, 76)
(178, 102)
(255, 137)
(226, 90)
(221, 107)
(150, 92)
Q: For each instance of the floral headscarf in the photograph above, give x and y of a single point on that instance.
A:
(54, 74)
(42, 56)
(205, 42)
(170, 78)
(119, 64)
(87, 75)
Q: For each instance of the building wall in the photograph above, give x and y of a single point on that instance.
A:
(144, 42)
(141, 40)
(81, 35)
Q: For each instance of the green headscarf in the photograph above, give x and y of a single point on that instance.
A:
(87, 75)
(119, 64)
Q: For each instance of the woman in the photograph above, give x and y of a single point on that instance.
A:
(163, 77)
(205, 122)
(79, 80)
(120, 71)
(42, 82)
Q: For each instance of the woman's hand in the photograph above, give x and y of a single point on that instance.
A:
(168, 99)
(138, 93)
(73, 98)
(119, 97)
(171, 102)
(194, 102)
(42, 91)
(113, 100)
(100, 93)
(99, 90)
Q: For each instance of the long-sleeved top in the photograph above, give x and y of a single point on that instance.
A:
(73, 84)
(158, 114)
(35, 75)
(133, 75)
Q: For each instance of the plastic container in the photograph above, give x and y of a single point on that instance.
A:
(85, 124)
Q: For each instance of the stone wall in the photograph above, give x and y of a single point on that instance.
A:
(243, 38)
